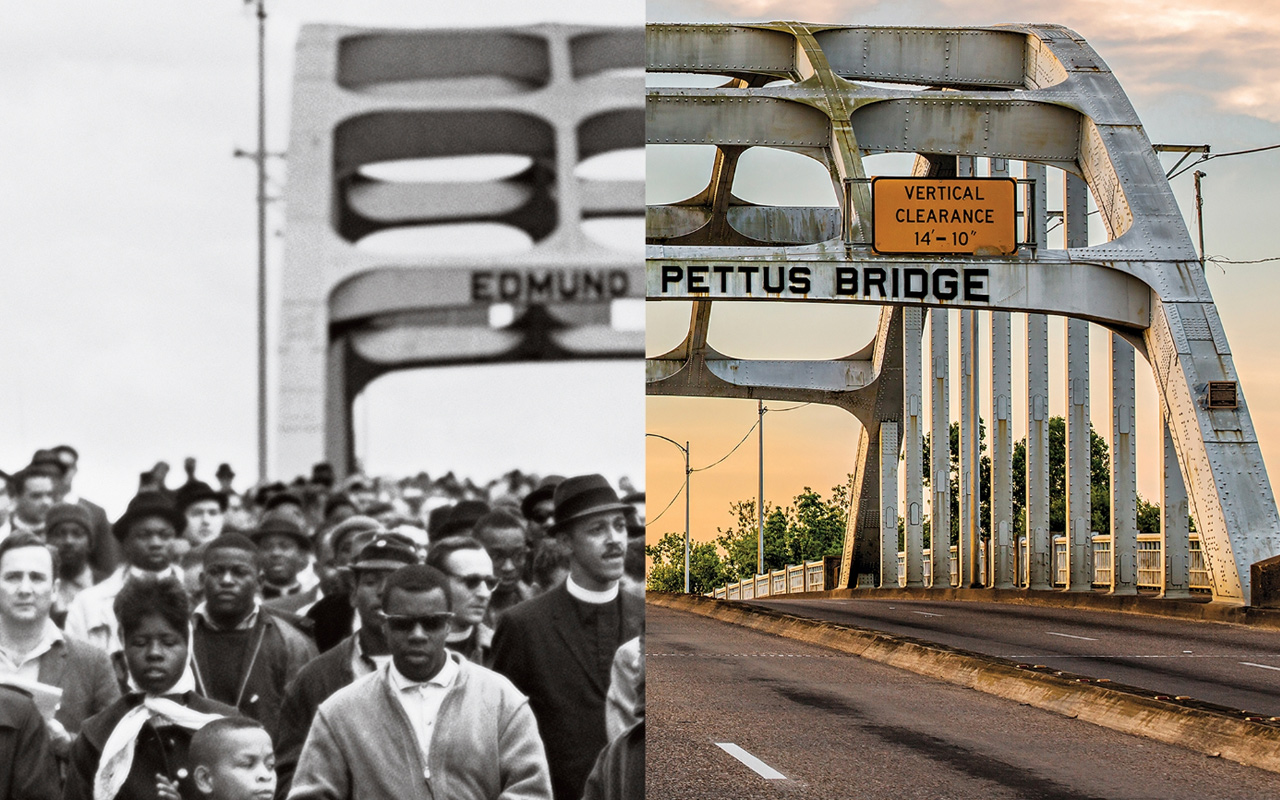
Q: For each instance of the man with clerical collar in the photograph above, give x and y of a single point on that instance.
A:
(137, 747)
(242, 655)
(471, 583)
(35, 654)
(69, 530)
(429, 723)
(356, 656)
(146, 532)
(504, 537)
(559, 647)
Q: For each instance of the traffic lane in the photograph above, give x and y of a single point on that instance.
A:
(1230, 665)
(837, 726)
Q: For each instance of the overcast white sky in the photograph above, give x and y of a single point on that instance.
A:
(128, 260)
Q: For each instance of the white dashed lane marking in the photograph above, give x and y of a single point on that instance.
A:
(1070, 636)
(756, 765)
(925, 614)
(1260, 666)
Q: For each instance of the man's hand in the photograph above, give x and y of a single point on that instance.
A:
(166, 789)
(59, 739)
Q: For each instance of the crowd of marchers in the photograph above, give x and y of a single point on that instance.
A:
(355, 639)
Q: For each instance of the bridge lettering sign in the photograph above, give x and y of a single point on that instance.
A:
(944, 216)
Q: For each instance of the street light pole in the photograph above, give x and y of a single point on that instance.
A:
(684, 450)
(261, 158)
(760, 497)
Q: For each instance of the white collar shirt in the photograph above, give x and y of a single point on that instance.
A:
(421, 701)
(362, 664)
(27, 665)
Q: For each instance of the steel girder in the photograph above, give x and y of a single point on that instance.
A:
(1035, 93)
(556, 95)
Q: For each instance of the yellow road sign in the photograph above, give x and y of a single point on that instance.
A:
(944, 216)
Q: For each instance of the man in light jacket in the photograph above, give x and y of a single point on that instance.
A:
(429, 724)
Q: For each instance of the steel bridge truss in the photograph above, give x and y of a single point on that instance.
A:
(556, 95)
(1036, 94)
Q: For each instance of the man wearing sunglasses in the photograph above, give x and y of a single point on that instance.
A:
(559, 647)
(429, 724)
(471, 585)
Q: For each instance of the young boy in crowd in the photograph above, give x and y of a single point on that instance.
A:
(231, 759)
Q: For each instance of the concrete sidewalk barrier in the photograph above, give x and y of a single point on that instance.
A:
(1214, 730)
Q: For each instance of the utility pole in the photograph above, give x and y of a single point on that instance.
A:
(687, 472)
(686, 515)
(1200, 213)
(259, 158)
(760, 500)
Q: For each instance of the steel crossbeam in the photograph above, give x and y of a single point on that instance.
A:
(1037, 94)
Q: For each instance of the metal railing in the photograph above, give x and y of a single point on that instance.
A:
(810, 576)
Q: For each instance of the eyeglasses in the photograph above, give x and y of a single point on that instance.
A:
(473, 582)
(401, 623)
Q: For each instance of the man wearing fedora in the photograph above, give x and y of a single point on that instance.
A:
(558, 648)
(145, 532)
(283, 550)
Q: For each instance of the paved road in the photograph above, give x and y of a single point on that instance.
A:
(1230, 665)
(836, 727)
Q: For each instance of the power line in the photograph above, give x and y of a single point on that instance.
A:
(793, 408)
(1223, 260)
(663, 511)
(731, 452)
(1211, 156)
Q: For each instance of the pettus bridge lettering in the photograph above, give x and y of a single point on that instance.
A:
(927, 283)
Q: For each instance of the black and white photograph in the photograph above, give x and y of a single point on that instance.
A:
(321, 435)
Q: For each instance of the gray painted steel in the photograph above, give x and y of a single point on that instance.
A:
(1032, 93)
(557, 95)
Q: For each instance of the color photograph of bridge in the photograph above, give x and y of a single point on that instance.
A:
(1106, 474)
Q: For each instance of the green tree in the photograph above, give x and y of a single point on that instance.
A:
(808, 529)
(818, 528)
(666, 574)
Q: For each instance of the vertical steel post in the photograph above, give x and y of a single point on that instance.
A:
(1039, 561)
(1174, 530)
(1079, 466)
(967, 552)
(940, 448)
(913, 443)
(1124, 479)
(970, 504)
(1000, 549)
(889, 505)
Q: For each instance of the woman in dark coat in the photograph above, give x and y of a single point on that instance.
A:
(136, 748)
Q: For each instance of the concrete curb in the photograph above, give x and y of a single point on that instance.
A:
(1213, 730)
(1267, 618)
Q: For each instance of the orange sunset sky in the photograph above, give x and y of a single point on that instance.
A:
(1197, 73)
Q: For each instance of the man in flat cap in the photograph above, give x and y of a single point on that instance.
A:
(558, 648)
